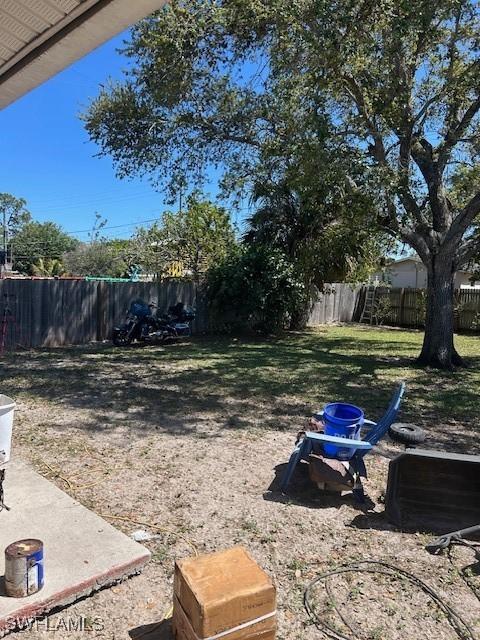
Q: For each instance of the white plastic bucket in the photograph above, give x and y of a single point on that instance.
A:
(7, 406)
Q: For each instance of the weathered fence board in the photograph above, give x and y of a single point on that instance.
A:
(406, 308)
(393, 306)
(468, 309)
(338, 302)
(51, 313)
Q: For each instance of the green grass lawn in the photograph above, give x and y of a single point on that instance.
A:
(254, 383)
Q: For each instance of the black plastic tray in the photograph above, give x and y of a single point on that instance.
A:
(433, 491)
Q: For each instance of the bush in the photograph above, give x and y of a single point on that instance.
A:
(383, 311)
(254, 288)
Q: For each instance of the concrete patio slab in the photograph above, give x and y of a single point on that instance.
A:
(82, 552)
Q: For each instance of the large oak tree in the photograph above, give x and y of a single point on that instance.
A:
(383, 94)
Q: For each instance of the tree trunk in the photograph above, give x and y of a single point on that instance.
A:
(438, 349)
(299, 317)
(301, 314)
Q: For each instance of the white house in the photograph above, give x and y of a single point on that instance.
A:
(411, 273)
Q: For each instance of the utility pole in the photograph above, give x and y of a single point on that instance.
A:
(5, 235)
(4, 252)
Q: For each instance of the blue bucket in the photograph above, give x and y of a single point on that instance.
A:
(345, 421)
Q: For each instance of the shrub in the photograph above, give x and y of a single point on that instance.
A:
(254, 288)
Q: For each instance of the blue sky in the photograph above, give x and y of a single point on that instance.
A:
(48, 159)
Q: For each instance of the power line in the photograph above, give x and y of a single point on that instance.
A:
(92, 203)
(66, 205)
(100, 231)
(43, 245)
(47, 244)
(95, 195)
(117, 226)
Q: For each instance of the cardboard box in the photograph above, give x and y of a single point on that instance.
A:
(220, 592)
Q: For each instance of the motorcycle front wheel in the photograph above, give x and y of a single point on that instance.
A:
(122, 338)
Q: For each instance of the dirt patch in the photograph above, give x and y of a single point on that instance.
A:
(180, 444)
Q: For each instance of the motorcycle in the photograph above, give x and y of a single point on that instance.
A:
(143, 326)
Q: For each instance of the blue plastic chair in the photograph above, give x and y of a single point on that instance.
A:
(313, 441)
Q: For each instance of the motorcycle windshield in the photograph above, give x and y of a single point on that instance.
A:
(140, 309)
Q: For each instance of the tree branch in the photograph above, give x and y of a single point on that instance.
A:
(463, 220)
(423, 155)
(377, 150)
(456, 133)
(411, 205)
(467, 251)
(424, 110)
(379, 153)
(210, 128)
(416, 241)
(355, 92)
(452, 112)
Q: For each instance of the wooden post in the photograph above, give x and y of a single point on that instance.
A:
(101, 310)
(402, 306)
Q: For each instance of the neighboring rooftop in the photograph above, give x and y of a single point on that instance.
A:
(417, 260)
(39, 38)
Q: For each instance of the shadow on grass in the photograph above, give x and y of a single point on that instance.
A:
(242, 383)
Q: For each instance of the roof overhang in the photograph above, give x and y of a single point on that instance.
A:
(39, 38)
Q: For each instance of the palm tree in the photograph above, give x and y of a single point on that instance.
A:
(48, 267)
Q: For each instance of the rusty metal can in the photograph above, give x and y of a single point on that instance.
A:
(24, 568)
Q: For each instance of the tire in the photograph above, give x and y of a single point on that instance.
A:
(122, 338)
(406, 433)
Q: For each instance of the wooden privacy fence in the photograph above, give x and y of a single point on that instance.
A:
(338, 302)
(391, 306)
(51, 313)
(406, 308)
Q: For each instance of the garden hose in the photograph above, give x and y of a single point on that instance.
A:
(461, 627)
